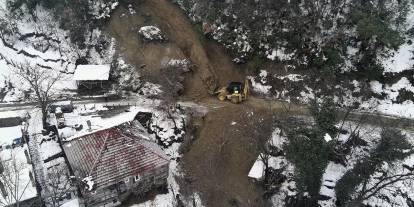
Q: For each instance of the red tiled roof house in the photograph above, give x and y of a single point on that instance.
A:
(113, 164)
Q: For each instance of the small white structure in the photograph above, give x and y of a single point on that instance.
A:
(11, 118)
(92, 76)
(257, 172)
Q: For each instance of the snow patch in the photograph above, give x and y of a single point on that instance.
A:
(151, 33)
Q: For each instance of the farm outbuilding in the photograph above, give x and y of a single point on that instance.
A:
(113, 164)
(92, 76)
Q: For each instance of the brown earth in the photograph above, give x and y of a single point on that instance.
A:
(219, 160)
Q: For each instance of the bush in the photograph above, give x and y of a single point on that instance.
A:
(379, 21)
(308, 150)
(310, 155)
(325, 117)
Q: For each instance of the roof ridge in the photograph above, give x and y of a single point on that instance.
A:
(99, 155)
(147, 147)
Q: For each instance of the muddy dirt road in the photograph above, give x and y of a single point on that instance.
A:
(218, 161)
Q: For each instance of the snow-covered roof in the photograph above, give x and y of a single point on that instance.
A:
(8, 134)
(92, 72)
(12, 114)
(71, 203)
(62, 103)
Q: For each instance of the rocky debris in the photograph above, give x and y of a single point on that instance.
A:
(151, 33)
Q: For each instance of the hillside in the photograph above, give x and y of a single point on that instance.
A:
(328, 119)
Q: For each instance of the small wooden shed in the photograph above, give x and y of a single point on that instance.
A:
(92, 76)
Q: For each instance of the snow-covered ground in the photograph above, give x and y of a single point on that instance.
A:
(403, 58)
(42, 44)
(261, 85)
(332, 174)
(8, 134)
(335, 171)
(169, 199)
(165, 128)
(151, 33)
(287, 187)
(392, 103)
(15, 178)
(71, 203)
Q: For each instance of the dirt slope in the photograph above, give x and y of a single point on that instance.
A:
(213, 65)
(221, 157)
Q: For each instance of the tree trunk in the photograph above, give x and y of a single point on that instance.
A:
(44, 115)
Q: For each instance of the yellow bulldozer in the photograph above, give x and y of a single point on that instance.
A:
(236, 92)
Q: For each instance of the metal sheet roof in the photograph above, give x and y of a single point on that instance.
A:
(110, 156)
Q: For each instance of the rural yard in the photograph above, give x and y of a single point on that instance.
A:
(121, 104)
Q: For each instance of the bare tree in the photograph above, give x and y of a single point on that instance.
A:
(58, 185)
(171, 81)
(14, 182)
(381, 174)
(383, 184)
(41, 81)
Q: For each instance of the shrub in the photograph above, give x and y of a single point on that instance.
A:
(324, 114)
(310, 154)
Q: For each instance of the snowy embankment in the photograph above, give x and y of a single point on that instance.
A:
(41, 43)
(394, 100)
(394, 96)
(371, 136)
(287, 188)
(403, 58)
(335, 171)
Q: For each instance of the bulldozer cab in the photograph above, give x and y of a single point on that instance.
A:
(235, 88)
(236, 92)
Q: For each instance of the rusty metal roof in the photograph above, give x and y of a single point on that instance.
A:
(110, 156)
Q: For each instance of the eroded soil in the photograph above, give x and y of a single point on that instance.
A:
(219, 160)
